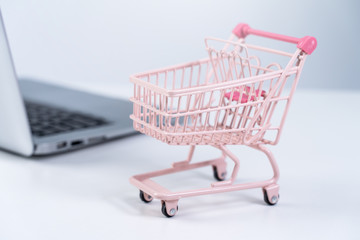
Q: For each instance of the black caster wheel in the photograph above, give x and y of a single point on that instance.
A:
(145, 197)
(274, 199)
(172, 211)
(219, 176)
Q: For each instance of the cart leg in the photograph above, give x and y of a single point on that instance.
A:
(235, 170)
(271, 191)
(187, 161)
(271, 158)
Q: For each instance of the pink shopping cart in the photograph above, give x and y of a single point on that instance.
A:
(233, 97)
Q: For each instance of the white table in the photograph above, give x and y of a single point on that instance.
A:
(86, 194)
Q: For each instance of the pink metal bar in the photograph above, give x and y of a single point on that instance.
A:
(307, 43)
(154, 189)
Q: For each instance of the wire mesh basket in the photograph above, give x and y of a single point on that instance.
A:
(228, 98)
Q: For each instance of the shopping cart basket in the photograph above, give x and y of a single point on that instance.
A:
(229, 98)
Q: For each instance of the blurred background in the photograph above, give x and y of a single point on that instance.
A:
(96, 45)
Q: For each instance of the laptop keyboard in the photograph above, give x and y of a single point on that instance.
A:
(47, 120)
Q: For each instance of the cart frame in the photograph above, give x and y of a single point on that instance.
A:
(152, 118)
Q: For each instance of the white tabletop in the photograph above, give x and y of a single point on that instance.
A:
(86, 194)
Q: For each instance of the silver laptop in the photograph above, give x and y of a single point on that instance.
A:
(41, 119)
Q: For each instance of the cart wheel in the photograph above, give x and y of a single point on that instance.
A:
(146, 198)
(164, 211)
(274, 199)
(219, 176)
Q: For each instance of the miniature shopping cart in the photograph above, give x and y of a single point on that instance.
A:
(229, 98)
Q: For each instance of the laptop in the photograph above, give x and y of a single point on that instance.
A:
(37, 118)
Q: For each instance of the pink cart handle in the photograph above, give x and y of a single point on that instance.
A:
(307, 43)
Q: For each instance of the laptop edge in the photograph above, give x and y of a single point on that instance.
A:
(15, 130)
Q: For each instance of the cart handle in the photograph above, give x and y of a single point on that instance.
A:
(307, 43)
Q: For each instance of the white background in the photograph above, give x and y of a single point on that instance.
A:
(100, 43)
(87, 195)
